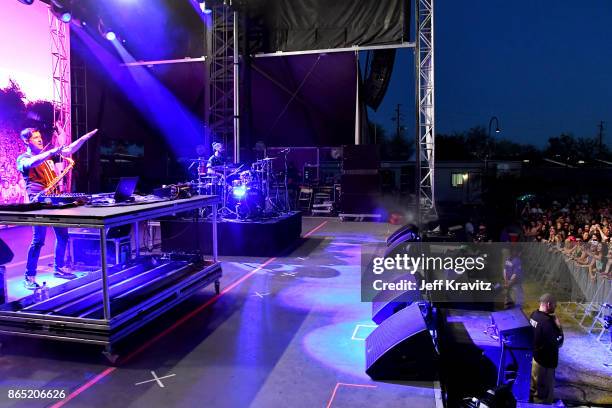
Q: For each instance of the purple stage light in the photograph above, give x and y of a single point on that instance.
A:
(205, 9)
(110, 36)
(66, 17)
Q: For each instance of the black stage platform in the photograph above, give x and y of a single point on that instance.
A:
(266, 237)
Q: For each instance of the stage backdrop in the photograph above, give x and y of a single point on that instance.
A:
(26, 86)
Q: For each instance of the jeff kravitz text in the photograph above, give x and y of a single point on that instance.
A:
(436, 285)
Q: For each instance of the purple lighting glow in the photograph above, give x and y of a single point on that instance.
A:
(111, 36)
(239, 191)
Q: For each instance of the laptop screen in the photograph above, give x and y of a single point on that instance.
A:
(125, 188)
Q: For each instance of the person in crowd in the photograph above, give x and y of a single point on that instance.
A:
(513, 272)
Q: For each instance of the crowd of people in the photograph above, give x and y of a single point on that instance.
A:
(12, 186)
(580, 229)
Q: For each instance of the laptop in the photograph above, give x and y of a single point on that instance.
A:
(125, 189)
(122, 195)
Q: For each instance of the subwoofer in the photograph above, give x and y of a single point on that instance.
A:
(401, 348)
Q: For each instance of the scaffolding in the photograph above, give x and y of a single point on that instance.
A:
(78, 82)
(60, 54)
(425, 110)
(223, 113)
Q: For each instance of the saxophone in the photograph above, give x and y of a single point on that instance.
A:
(57, 179)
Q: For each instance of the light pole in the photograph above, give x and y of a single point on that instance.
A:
(488, 152)
(497, 130)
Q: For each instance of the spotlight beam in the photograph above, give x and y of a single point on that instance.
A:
(163, 62)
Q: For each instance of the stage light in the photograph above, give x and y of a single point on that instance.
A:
(61, 10)
(239, 191)
(203, 7)
(26, 2)
(109, 34)
(66, 17)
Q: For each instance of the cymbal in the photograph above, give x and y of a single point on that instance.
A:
(265, 159)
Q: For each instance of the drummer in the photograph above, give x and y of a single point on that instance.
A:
(217, 159)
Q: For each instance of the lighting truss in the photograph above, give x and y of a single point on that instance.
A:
(425, 110)
(60, 55)
(222, 75)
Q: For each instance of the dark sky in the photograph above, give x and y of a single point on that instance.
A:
(543, 67)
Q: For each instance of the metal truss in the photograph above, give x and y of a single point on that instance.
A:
(78, 84)
(222, 110)
(60, 54)
(425, 110)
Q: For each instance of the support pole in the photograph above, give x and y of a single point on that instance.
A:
(105, 291)
(425, 110)
(236, 59)
(357, 110)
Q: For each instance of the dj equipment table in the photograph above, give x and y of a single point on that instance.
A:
(106, 305)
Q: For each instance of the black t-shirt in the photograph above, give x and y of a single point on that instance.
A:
(214, 161)
(36, 178)
(547, 340)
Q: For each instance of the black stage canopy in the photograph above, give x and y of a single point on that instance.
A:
(299, 25)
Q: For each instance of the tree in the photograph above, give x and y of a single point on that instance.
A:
(12, 107)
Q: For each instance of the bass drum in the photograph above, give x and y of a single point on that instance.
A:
(251, 204)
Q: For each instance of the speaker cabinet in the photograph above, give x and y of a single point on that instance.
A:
(516, 336)
(360, 157)
(401, 348)
(408, 232)
(514, 327)
(386, 303)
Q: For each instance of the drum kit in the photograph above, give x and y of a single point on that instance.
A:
(245, 193)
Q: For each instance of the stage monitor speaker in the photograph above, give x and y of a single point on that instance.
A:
(386, 303)
(514, 328)
(401, 348)
(516, 341)
(408, 233)
(6, 255)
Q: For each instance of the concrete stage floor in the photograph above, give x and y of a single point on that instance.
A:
(285, 332)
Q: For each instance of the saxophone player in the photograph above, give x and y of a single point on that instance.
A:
(37, 168)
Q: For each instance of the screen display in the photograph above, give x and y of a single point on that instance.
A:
(26, 87)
